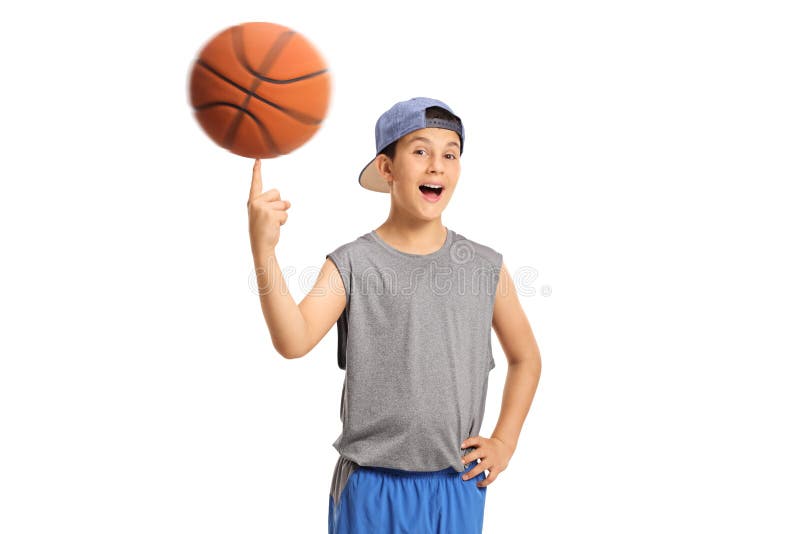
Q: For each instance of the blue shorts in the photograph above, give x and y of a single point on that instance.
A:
(392, 501)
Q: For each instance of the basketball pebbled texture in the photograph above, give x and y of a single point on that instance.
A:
(259, 89)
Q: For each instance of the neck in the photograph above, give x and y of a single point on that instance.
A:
(424, 236)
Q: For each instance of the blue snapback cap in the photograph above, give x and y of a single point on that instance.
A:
(399, 120)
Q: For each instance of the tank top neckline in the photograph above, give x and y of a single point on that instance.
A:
(448, 239)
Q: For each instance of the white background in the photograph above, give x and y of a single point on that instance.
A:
(640, 157)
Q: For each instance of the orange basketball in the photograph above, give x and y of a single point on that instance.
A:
(259, 89)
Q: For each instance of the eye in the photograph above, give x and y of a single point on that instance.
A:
(450, 156)
(417, 151)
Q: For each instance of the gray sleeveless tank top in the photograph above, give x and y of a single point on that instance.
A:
(414, 341)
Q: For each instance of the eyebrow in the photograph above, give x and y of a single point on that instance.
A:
(420, 138)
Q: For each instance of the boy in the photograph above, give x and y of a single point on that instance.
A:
(414, 303)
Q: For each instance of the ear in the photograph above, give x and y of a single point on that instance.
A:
(384, 166)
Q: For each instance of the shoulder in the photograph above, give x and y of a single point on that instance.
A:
(357, 244)
(465, 249)
(346, 252)
(344, 258)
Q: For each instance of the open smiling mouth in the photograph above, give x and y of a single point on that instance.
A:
(431, 193)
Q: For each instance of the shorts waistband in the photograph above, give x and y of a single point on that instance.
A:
(446, 472)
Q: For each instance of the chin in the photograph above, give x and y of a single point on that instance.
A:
(430, 215)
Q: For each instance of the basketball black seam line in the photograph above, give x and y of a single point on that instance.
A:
(261, 126)
(275, 81)
(305, 119)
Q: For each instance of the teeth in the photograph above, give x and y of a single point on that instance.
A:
(433, 185)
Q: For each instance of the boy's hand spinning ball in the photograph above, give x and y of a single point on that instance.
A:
(259, 89)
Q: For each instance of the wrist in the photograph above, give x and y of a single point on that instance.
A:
(263, 255)
(506, 441)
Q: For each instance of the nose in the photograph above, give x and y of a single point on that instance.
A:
(435, 166)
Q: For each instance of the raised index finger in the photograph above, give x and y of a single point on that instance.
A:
(255, 185)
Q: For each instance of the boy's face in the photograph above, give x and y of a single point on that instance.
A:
(426, 156)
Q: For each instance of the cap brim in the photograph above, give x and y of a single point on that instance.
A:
(371, 179)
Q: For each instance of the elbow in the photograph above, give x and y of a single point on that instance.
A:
(532, 360)
(293, 355)
(290, 353)
(291, 346)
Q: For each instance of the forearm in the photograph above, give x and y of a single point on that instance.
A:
(286, 324)
(522, 380)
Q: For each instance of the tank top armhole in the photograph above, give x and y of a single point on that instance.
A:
(341, 323)
(496, 268)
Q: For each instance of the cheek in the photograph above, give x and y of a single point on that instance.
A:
(454, 166)
(455, 172)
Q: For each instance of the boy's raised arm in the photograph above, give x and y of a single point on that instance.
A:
(294, 329)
